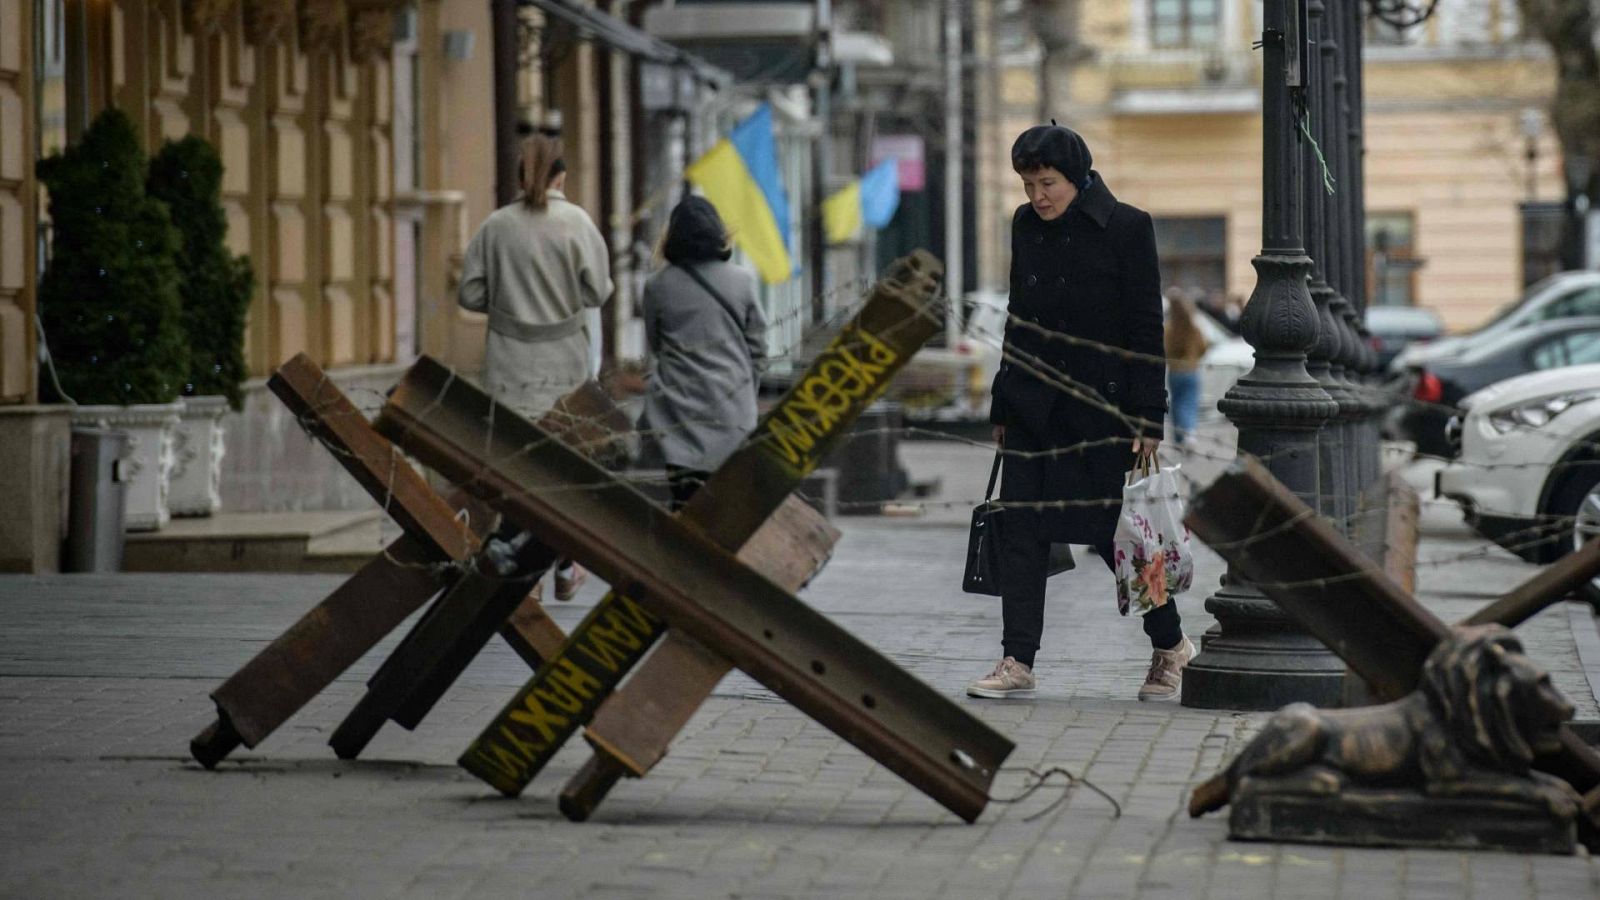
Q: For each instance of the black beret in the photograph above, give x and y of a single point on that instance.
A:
(1057, 147)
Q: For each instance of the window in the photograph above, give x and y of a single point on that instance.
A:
(1586, 355)
(1193, 252)
(1392, 262)
(1585, 302)
(1184, 23)
(1541, 241)
(1563, 349)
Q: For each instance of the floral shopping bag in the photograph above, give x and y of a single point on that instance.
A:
(1153, 558)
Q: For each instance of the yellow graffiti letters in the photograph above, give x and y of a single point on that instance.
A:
(534, 715)
(843, 376)
(574, 679)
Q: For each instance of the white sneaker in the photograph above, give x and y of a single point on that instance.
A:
(1165, 677)
(1009, 679)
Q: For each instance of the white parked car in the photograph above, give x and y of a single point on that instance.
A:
(1528, 473)
(1228, 357)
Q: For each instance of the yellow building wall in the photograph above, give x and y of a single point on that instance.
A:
(1461, 175)
(17, 221)
(1189, 166)
(296, 100)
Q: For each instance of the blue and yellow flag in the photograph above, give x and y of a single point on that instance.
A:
(740, 178)
(870, 200)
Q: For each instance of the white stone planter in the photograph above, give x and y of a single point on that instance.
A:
(150, 428)
(196, 483)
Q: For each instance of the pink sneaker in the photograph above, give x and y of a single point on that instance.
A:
(1009, 679)
(567, 585)
(1165, 677)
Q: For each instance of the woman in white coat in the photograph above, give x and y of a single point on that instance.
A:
(535, 267)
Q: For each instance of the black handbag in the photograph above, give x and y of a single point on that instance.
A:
(983, 545)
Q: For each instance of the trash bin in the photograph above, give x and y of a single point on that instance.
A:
(868, 458)
(96, 503)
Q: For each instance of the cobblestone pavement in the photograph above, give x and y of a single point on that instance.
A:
(103, 680)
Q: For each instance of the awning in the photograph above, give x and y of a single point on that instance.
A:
(592, 24)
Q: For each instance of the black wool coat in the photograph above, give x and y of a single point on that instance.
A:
(1084, 368)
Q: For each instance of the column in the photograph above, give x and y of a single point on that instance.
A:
(18, 193)
(1256, 657)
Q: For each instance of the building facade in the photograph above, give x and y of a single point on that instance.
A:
(1462, 169)
(359, 149)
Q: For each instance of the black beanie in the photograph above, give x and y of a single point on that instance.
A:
(1057, 147)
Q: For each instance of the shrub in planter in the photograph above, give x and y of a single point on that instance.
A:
(110, 305)
(215, 285)
(109, 297)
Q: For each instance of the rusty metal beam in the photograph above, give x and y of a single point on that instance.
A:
(329, 416)
(304, 660)
(673, 571)
(444, 642)
(1553, 584)
(1337, 594)
(679, 571)
(438, 649)
(787, 444)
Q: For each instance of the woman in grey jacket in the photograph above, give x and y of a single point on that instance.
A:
(708, 336)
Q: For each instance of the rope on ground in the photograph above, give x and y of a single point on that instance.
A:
(1040, 777)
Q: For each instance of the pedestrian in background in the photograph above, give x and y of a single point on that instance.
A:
(535, 266)
(708, 338)
(1185, 346)
(1079, 396)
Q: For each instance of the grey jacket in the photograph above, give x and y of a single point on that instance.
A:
(701, 402)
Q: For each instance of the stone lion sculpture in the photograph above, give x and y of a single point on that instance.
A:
(1480, 714)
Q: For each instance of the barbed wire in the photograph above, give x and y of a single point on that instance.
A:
(1537, 534)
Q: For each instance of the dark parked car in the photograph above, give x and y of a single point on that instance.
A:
(1564, 295)
(1393, 328)
(1437, 386)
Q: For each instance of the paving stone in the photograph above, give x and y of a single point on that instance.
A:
(103, 679)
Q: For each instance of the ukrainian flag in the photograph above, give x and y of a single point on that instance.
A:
(740, 178)
(870, 200)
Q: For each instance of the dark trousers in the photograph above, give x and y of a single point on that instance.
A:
(683, 483)
(1024, 564)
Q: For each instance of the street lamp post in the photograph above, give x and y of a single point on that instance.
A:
(1348, 265)
(1404, 14)
(1331, 90)
(1336, 444)
(1257, 657)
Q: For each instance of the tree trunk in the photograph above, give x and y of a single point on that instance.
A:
(1568, 26)
(1056, 24)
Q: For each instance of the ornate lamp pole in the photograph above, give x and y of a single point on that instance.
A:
(1257, 658)
(1345, 259)
(1401, 14)
(1336, 444)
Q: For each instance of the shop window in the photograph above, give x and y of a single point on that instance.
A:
(1193, 252)
(1182, 24)
(1541, 241)
(1565, 350)
(1392, 261)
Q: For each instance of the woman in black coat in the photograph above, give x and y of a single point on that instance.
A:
(1080, 395)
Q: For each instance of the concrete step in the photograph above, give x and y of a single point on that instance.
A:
(259, 542)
